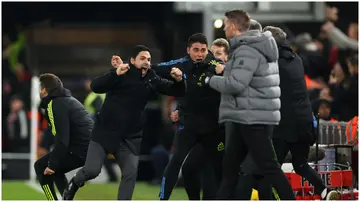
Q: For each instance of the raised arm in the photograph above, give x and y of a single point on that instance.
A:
(106, 82)
(165, 86)
(163, 69)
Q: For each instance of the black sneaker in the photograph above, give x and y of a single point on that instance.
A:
(71, 190)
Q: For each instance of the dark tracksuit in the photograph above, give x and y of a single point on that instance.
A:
(197, 171)
(250, 177)
(71, 126)
(119, 124)
(295, 132)
(200, 110)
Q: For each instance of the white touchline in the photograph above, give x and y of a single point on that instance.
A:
(38, 188)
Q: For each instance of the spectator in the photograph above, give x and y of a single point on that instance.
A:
(324, 110)
(338, 38)
(325, 95)
(340, 87)
(312, 56)
(353, 92)
(18, 126)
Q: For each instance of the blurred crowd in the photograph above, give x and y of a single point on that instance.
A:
(331, 71)
(16, 85)
(331, 67)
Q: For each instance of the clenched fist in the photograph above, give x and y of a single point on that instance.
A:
(122, 69)
(219, 68)
(116, 61)
(174, 116)
(176, 73)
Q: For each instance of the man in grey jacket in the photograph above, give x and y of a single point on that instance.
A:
(250, 104)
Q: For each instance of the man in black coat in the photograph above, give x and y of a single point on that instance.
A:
(199, 111)
(118, 126)
(71, 126)
(295, 132)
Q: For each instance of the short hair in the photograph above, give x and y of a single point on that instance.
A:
(221, 42)
(50, 82)
(15, 97)
(239, 18)
(137, 49)
(325, 103)
(277, 33)
(197, 38)
(255, 25)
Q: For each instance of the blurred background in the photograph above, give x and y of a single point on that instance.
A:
(76, 41)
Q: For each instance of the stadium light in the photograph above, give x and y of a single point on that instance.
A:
(218, 23)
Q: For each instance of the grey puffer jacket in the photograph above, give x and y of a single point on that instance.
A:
(250, 92)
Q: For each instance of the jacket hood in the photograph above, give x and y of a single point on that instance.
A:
(262, 42)
(286, 52)
(58, 92)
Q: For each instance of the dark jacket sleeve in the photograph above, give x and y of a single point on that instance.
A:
(104, 83)
(97, 104)
(165, 86)
(163, 69)
(60, 127)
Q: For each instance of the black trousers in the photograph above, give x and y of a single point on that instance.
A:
(299, 152)
(241, 139)
(248, 182)
(198, 173)
(70, 162)
(184, 141)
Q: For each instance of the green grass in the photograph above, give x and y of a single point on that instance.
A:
(19, 190)
(12, 190)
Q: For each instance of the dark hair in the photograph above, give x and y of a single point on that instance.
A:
(222, 43)
(255, 25)
(240, 18)
(197, 38)
(50, 82)
(137, 49)
(326, 103)
(353, 59)
(278, 34)
(15, 97)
